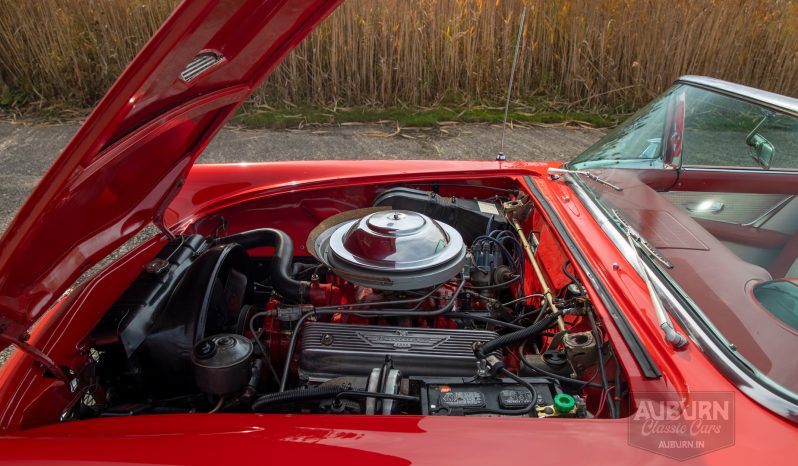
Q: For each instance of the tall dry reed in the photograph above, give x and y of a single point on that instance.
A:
(589, 54)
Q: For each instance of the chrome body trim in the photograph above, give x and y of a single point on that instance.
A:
(751, 94)
(762, 219)
(703, 168)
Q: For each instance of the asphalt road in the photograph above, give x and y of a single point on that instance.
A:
(26, 151)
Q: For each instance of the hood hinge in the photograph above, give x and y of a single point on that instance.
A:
(159, 223)
(39, 357)
(158, 219)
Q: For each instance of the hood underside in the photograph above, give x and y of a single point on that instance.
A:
(130, 157)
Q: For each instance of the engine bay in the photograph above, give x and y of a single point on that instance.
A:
(439, 300)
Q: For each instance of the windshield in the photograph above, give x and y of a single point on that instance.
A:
(635, 142)
(709, 180)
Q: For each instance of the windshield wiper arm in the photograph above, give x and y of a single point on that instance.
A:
(597, 179)
(663, 319)
(639, 239)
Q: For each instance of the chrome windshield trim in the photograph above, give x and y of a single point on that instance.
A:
(750, 94)
(770, 395)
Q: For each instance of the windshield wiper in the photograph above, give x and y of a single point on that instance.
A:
(639, 239)
(597, 179)
(663, 319)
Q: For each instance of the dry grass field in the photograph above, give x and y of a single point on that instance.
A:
(588, 55)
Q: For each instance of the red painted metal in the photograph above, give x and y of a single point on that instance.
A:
(340, 439)
(126, 166)
(130, 157)
(368, 440)
(236, 188)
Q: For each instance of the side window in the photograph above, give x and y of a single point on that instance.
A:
(717, 130)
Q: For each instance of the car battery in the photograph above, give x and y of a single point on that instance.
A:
(456, 396)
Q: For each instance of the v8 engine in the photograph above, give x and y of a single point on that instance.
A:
(420, 303)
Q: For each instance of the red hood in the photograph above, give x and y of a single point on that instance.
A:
(130, 157)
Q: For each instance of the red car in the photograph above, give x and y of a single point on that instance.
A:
(636, 305)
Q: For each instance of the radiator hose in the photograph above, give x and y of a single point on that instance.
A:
(281, 265)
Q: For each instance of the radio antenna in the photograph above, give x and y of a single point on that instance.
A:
(501, 157)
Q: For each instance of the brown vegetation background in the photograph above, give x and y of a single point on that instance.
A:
(598, 55)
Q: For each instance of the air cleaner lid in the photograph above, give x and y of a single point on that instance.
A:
(395, 249)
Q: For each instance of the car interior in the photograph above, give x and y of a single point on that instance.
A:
(759, 225)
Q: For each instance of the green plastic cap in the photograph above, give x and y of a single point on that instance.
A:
(564, 403)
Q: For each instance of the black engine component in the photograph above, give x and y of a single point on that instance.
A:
(281, 265)
(191, 290)
(131, 316)
(458, 396)
(222, 364)
(194, 288)
(469, 217)
(554, 361)
(489, 265)
(206, 301)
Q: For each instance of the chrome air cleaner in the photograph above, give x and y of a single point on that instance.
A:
(389, 249)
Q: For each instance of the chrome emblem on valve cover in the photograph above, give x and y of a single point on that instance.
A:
(401, 340)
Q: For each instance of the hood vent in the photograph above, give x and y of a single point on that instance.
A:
(201, 63)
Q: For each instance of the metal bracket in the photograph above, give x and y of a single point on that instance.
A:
(519, 208)
(159, 222)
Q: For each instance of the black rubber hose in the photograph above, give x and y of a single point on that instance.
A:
(498, 285)
(282, 261)
(517, 336)
(297, 394)
(487, 320)
(383, 396)
(569, 274)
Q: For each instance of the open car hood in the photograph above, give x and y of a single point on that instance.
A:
(130, 157)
